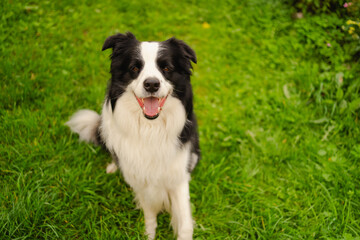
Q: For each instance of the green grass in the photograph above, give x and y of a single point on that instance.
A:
(280, 146)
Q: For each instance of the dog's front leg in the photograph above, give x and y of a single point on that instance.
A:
(150, 223)
(150, 214)
(181, 212)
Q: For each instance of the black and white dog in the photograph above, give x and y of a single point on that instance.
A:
(148, 125)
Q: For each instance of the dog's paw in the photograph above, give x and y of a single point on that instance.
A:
(111, 168)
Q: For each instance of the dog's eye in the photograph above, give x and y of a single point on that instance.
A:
(166, 69)
(135, 69)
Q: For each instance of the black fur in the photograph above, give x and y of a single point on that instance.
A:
(125, 55)
(178, 55)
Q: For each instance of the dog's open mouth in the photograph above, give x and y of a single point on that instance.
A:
(151, 106)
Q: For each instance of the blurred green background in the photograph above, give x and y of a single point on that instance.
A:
(276, 95)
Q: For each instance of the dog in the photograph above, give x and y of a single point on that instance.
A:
(148, 125)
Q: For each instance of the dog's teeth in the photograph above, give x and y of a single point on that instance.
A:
(159, 109)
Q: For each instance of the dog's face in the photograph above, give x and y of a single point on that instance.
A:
(152, 71)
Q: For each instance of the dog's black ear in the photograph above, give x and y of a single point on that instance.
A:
(187, 51)
(111, 41)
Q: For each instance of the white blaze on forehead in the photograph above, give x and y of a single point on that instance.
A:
(149, 52)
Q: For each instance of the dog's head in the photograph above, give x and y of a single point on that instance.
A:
(152, 71)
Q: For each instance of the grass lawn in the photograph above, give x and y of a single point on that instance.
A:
(280, 146)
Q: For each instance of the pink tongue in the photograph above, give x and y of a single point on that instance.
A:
(151, 105)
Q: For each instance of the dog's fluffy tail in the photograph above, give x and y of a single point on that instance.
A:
(86, 123)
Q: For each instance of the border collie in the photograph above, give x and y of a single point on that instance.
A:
(148, 125)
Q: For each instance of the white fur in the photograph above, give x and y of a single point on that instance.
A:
(85, 123)
(193, 162)
(149, 52)
(111, 168)
(151, 159)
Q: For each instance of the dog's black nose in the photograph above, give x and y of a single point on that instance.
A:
(152, 85)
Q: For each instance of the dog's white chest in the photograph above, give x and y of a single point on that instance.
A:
(149, 151)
